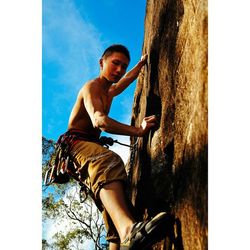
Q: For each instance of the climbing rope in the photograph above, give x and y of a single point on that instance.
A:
(84, 190)
(108, 141)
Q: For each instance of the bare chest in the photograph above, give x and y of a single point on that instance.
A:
(106, 101)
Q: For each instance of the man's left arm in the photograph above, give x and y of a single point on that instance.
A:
(129, 77)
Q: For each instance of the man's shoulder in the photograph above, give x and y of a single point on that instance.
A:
(90, 83)
(90, 86)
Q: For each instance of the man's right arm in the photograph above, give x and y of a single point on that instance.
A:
(102, 121)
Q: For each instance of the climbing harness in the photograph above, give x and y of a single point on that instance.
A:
(61, 166)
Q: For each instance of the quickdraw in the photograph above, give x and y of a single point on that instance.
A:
(61, 167)
(108, 141)
(60, 164)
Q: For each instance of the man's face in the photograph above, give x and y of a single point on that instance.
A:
(114, 66)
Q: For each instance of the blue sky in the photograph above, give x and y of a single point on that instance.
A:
(74, 35)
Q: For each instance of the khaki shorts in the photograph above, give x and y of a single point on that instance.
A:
(98, 166)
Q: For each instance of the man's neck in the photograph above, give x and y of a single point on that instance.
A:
(104, 82)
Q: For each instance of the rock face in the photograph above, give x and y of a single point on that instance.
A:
(168, 168)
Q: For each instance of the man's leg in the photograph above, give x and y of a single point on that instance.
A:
(114, 200)
(114, 246)
(133, 235)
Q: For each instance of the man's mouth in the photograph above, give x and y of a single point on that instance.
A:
(117, 77)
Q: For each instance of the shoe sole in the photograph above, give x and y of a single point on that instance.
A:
(156, 230)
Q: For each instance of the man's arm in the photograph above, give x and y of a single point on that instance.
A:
(94, 107)
(129, 77)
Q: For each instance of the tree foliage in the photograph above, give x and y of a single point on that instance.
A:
(61, 204)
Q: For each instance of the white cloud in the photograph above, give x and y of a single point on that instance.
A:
(69, 41)
(71, 50)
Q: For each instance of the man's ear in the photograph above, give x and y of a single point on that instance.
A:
(101, 63)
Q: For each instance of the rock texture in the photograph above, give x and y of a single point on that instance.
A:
(168, 168)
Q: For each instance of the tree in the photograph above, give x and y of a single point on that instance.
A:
(61, 204)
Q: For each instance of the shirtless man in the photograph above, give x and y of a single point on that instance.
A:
(103, 168)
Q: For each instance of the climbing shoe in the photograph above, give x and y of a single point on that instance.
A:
(146, 233)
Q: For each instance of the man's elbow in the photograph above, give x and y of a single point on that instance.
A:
(100, 122)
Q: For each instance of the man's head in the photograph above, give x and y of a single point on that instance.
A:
(114, 62)
(116, 48)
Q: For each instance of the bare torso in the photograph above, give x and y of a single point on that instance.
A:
(90, 112)
(79, 117)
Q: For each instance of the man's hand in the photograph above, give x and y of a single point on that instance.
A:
(144, 58)
(147, 123)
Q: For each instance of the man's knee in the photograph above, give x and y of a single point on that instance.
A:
(114, 246)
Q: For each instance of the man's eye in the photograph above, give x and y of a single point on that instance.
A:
(116, 63)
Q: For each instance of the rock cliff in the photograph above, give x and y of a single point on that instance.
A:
(168, 169)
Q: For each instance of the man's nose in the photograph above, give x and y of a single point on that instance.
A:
(119, 69)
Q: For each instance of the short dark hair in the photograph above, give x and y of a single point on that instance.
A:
(116, 48)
